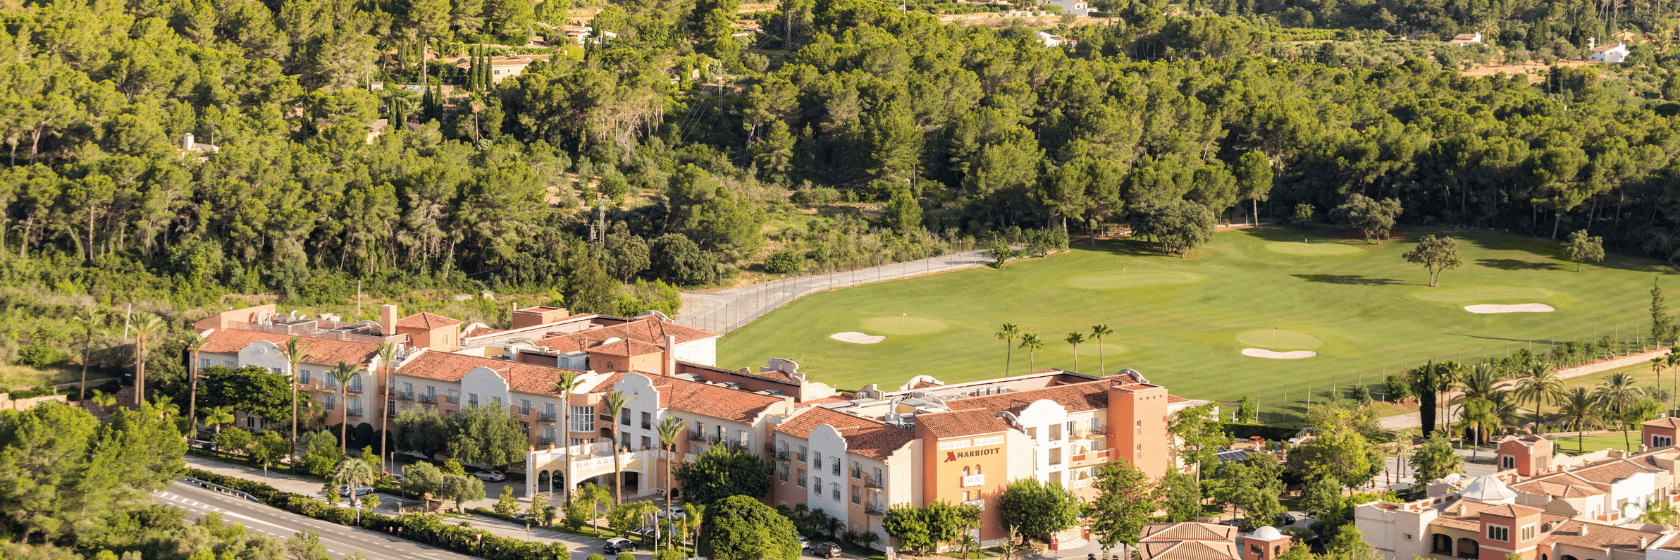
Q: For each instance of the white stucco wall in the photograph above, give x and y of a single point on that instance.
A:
(1041, 417)
(828, 441)
(703, 352)
(487, 384)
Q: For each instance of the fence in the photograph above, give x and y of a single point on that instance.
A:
(733, 308)
(218, 488)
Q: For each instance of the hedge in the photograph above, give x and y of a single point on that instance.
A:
(1273, 433)
(420, 528)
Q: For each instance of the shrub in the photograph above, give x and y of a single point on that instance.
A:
(40, 355)
(816, 196)
(785, 261)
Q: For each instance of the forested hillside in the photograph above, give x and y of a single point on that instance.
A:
(897, 135)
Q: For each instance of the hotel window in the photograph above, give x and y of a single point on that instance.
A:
(624, 416)
(331, 401)
(647, 421)
(1527, 532)
(834, 490)
(548, 410)
(548, 433)
(496, 402)
(472, 399)
(583, 419)
(1070, 429)
(647, 442)
(1096, 425)
(524, 407)
(816, 481)
(330, 382)
(801, 454)
(1499, 533)
(303, 376)
(1661, 441)
(1507, 462)
(356, 384)
(801, 478)
(968, 496)
(835, 469)
(965, 471)
(203, 363)
(783, 473)
(857, 495)
(816, 458)
(276, 371)
(857, 470)
(408, 388)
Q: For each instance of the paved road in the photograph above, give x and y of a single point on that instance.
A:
(340, 541)
(723, 311)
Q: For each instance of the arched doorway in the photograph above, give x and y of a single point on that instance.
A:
(1467, 548)
(1441, 544)
(544, 483)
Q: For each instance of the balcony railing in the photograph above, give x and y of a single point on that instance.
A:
(545, 440)
(403, 396)
(696, 436)
(874, 508)
(357, 412)
(976, 503)
(856, 472)
(357, 389)
(782, 455)
(452, 399)
(799, 457)
(872, 481)
(390, 412)
(428, 399)
(524, 412)
(548, 416)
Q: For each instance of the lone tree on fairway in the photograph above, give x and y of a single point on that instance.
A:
(1098, 332)
(1032, 344)
(1371, 217)
(1075, 338)
(1662, 325)
(1254, 180)
(1584, 248)
(1007, 334)
(1304, 214)
(1179, 226)
(1436, 254)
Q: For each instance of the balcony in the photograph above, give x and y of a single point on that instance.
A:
(357, 389)
(874, 508)
(547, 416)
(782, 455)
(390, 412)
(872, 481)
(696, 436)
(524, 412)
(357, 412)
(856, 472)
(545, 440)
(799, 457)
(976, 503)
(973, 480)
(403, 396)
(428, 399)
(769, 447)
(452, 399)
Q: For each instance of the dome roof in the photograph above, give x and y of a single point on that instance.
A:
(1488, 489)
(1267, 534)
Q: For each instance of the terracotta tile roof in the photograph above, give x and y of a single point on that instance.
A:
(1513, 511)
(650, 330)
(826, 400)
(923, 384)
(317, 351)
(717, 401)
(962, 423)
(1189, 550)
(426, 321)
(869, 438)
(1175, 399)
(480, 331)
(1602, 536)
(1670, 422)
(521, 377)
(1466, 515)
(1188, 531)
(1608, 472)
(1562, 485)
(1078, 397)
(625, 347)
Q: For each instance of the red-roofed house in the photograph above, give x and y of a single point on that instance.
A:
(851, 467)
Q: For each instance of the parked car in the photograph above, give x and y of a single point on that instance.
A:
(825, 550)
(360, 490)
(804, 543)
(618, 544)
(1288, 519)
(490, 476)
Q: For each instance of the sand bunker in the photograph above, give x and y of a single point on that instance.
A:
(1519, 308)
(1263, 353)
(856, 337)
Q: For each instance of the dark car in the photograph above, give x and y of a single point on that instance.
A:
(617, 545)
(825, 550)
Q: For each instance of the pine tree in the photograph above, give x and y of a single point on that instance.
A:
(1662, 325)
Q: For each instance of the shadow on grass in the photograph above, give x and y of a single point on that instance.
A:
(1351, 279)
(1123, 247)
(1514, 264)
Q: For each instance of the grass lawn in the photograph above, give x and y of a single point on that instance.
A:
(1595, 443)
(1184, 322)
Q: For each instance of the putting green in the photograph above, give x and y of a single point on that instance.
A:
(1456, 294)
(1090, 349)
(1279, 339)
(903, 325)
(1311, 249)
(1130, 279)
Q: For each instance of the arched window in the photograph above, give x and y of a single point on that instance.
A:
(965, 471)
(976, 469)
(1467, 548)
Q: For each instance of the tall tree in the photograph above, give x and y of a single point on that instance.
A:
(1035, 508)
(568, 383)
(1254, 180)
(195, 342)
(343, 373)
(1618, 393)
(1007, 334)
(615, 406)
(295, 353)
(669, 430)
(1074, 338)
(387, 362)
(1663, 328)
(1539, 384)
(1197, 435)
(1435, 458)
(1579, 409)
(1371, 217)
(147, 327)
(1125, 501)
(89, 321)
(742, 528)
(1031, 343)
(1584, 248)
(722, 471)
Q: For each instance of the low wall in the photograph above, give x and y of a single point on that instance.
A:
(6, 402)
(1613, 363)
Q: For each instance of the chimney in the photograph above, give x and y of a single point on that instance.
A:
(187, 141)
(1583, 529)
(388, 319)
(670, 355)
(1643, 541)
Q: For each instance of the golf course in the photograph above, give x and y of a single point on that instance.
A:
(1324, 308)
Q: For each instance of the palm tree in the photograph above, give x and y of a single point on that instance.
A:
(1617, 393)
(615, 406)
(695, 515)
(1098, 332)
(146, 328)
(1539, 385)
(195, 342)
(216, 416)
(568, 383)
(1579, 410)
(1660, 512)
(1032, 344)
(343, 373)
(387, 355)
(166, 407)
(1674, 360)
(89, 321)
(295, 355)
(1075, 338)
(669, 430)
(1506, 409)
(596, 496)
(1478, 414)
(354, 472)
(1007, 334)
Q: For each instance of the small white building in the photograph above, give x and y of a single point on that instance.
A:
(1612, 53)
(1465, 39)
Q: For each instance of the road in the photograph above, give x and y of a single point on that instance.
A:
(339, 540)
